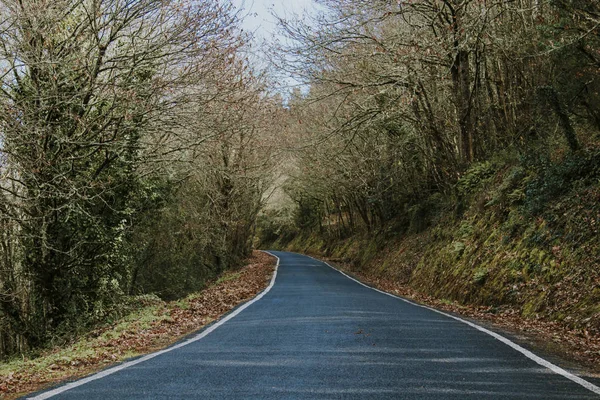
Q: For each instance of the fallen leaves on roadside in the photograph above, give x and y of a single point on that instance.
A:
(170, 322)
(579, 345)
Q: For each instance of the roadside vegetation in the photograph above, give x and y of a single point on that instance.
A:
(149, 324)
(135, 144)
(453, 147)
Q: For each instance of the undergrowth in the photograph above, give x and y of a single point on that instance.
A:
(522, 233)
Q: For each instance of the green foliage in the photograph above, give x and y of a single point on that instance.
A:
(480, 275)
(553, 180)
(458, 248)
(276, 225)
(192, 238)
(128, 161)
(308, 214)
(475, 178)
(228, 277)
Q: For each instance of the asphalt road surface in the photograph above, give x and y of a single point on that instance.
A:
(316, 334)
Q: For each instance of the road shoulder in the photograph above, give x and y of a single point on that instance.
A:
(567, 349)
(150, 328)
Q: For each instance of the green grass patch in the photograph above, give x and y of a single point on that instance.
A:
(228, 277)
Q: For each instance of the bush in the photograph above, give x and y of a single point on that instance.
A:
(553, 180)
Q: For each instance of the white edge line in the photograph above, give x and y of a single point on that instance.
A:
(204, 333)
(547, 364)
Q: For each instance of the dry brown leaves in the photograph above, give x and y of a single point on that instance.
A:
(176, 320)
(210, 304)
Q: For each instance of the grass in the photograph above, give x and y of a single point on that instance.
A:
(151, 325)
(228, 277)
(87, 347)
(100, 347)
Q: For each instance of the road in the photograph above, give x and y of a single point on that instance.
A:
(316, 334)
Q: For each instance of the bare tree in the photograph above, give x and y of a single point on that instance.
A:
(88, 84)
(406, 96)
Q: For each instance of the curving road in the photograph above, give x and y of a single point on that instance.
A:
(317, 334)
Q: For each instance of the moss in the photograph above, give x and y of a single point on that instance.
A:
(500, 254)
(480, 275)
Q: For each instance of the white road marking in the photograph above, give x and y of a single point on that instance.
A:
(110, 371)
(554, 368)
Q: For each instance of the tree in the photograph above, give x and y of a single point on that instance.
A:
(207, 225)
(406, 96)
(88, 84)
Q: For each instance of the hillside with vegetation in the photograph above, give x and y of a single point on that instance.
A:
(452, 146)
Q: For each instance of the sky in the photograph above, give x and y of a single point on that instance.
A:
(259, 19)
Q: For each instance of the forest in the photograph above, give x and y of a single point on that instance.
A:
(450, 146)
(134, 154)
(142, 153)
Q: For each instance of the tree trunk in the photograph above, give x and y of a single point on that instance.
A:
(461, 79)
